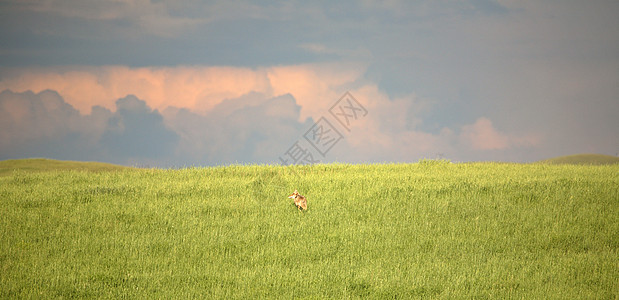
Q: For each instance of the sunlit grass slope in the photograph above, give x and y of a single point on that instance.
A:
(431, 229)
(583, 159)
(43, 164)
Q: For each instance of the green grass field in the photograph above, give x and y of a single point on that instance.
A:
(432, 229)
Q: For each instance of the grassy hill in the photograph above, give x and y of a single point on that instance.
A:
(583, 159)
(43, 164)
(425, 230)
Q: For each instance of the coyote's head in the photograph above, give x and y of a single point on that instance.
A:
(294, 195)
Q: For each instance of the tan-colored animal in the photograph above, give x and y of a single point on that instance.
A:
(299, 200)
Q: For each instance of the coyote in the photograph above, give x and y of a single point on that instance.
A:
(299, 201)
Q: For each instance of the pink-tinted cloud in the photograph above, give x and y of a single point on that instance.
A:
(196, 88)
(482, 135)
(258, 111)
(315, 87)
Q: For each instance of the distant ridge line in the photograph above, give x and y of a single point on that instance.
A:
(583, 159)
(44, 164)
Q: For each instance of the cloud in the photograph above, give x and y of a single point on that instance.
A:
(195, 88)
(483, 136)
(315, 86)
(136, 132)
(253, 128)
(198, 88)
(44, 125)
(221, 115)
(135, 16)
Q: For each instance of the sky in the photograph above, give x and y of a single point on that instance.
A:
(163, 83)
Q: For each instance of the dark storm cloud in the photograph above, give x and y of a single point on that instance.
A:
(44, 125)
(136, 132)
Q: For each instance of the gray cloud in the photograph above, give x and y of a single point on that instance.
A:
(250, 129)
(44, 125)
(135, 132)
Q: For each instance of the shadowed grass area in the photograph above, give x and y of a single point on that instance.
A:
(43, 164)
(425, 230)
(583, 159)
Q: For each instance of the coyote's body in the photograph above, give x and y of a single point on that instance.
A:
(299, 201)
